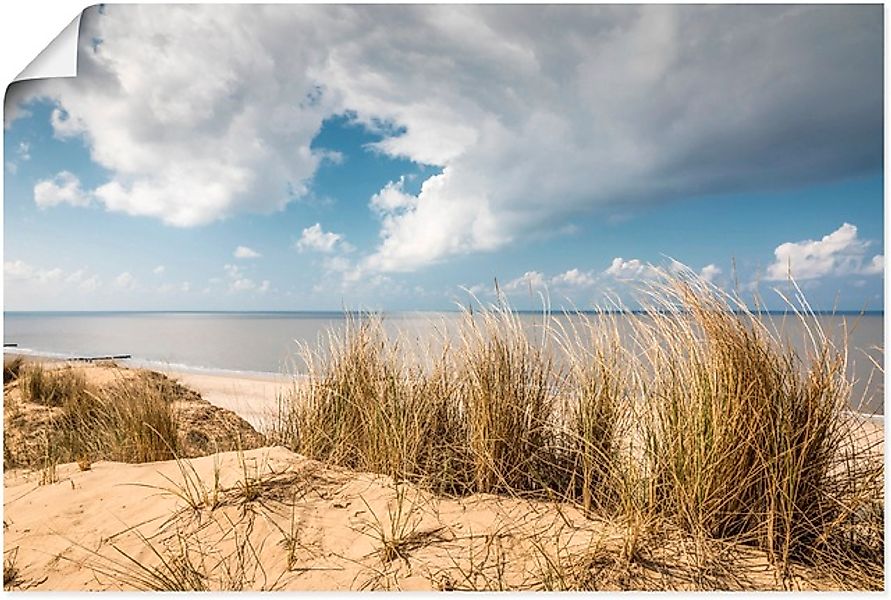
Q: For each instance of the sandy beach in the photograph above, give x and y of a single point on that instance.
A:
(254, 398)
(312, 527)
(266, 518)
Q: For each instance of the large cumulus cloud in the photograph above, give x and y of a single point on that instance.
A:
(533, 114)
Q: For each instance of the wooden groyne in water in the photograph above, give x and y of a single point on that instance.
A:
(82, 358)
(94, 358)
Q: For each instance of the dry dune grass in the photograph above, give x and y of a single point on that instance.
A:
(58, 413)
(130, 420)
(743, 440)
(688, 448)
(701, 416)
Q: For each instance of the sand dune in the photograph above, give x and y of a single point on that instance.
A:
(311, 528)
(270, 519)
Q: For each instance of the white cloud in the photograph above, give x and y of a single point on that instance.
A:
(184, 287)
(125, 281)
(64, 188)
(245, 252)
(26, 274)
(337, 264)
(876, 266)
(159, 270)
(332, 157)
(392, 199)
(574, 278)
(635, 269)
(75, 276)
(92, 284)
(314, 238)
(52, 275)
(239, 282)
(529, 279)
(627, 105)
(710, 272)
(22, 153)
(444, 219)
(838, 253)
(19, 270)
(190, 150)
(242, 285)
(625, 270)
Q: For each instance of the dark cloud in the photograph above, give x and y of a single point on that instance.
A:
(534, 113)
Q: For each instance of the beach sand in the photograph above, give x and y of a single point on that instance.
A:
(267, 518)
(314, 528)
(254, 398)
(306, 526)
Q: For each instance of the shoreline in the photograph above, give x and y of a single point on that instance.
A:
(155, 365)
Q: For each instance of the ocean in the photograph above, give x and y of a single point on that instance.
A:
(267, 342)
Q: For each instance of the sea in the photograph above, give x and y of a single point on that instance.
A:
(268, 343)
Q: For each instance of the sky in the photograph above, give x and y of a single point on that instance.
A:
(406, 157)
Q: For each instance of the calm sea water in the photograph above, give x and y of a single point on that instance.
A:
(267, 342)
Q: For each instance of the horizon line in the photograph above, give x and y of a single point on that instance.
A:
(822, 312)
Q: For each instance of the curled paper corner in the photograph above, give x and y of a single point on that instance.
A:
(58, 59)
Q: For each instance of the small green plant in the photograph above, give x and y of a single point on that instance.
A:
(597, 399)
(131, 419)
(141, 415)
(365, 406)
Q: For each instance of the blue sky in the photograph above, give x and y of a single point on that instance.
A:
(351, 178)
